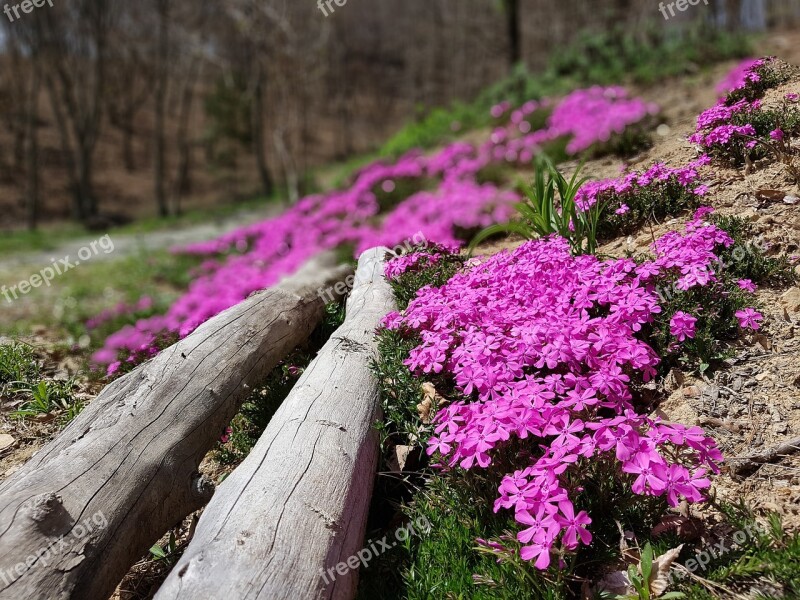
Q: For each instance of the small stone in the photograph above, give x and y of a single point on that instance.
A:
(691, 391)
(399, 457)
(6, 441)
(791, 300)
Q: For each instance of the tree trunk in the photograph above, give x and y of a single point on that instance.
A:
(514, 34)
(183, 178)
(159, 162)
(32, 152)
(92, 501)
(66, 147)
(298, 504)
(259, 144)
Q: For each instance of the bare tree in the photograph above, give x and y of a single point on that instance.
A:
(75, 44)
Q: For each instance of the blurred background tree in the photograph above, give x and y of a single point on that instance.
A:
(114, 110)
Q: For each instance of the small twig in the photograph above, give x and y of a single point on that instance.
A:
(749, 464)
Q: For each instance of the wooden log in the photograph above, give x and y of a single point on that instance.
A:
(297, 506)
(91, 502)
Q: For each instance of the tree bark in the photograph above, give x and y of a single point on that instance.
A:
(298, 504)
(92, 501)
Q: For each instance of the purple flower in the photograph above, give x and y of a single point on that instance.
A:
(777, 135)
(682, 326)
(747, 285)
(749, 318)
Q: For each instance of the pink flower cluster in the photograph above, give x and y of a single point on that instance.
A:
(742, 74)
(145, 303)
(620, 190)
(547, 345)
(596, 114)
(714, 127)
(257, 256)
(586, 117)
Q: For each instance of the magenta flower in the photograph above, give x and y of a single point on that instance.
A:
(574, 525)
(777, 135)
(749, 318)
(682, 325)
(747, 285)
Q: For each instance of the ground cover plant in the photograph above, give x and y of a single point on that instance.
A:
(740, 128)
(495, 379)
(440, 196)
(23, 385)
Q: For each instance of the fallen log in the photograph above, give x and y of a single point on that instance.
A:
(91, 502)
(297, 506)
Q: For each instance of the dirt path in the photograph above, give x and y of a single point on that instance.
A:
(130, 244)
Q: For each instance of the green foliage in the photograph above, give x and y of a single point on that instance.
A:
(20, 377)
(715, 305)
(647, 204)
(168, 554)
(435, 274)
(645, 56)
(640, 579)
(18, 363)
(439, 125)
(401, 190)
(615, 56)
(770, 553)
(770, 76)
(747, 258)
(544, 214)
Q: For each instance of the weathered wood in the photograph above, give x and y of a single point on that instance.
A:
(297, 506)
(92, 501)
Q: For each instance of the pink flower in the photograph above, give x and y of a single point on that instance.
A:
(574, 525)
(777, 135)
(622, 209)
(747, 285)
(749, 319)
(682, 325)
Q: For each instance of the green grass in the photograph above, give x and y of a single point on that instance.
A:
(50, 237)
(21, 379)
(85, 291)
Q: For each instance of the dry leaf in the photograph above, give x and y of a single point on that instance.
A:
(431, 398)
(659, 577)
